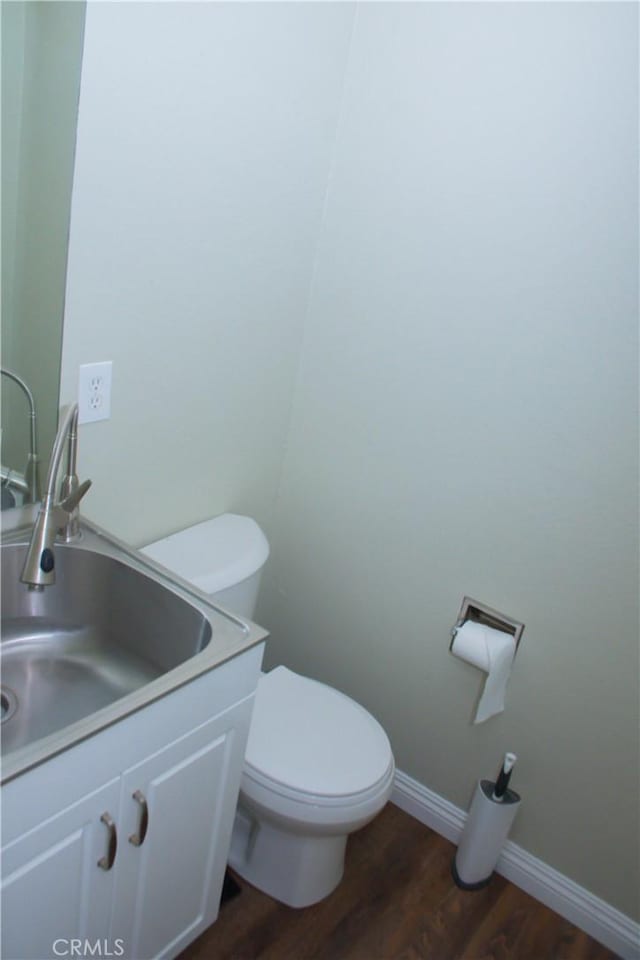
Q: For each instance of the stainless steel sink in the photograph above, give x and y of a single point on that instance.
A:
(114, 632)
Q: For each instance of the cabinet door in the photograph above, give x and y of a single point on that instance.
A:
(177, 810)
(52, 887)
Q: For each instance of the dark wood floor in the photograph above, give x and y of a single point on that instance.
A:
(397, 901)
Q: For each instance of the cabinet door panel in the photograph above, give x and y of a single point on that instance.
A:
(173, 886)
(52, 887)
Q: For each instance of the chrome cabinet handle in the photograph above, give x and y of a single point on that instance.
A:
(137, 839)
(105, 863)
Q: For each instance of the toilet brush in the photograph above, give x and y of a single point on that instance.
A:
(491, 814)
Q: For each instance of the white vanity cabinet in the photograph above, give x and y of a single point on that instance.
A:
(123, 839)
(175, 814)
(52, 889)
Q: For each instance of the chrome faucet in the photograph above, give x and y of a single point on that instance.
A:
(53, 518)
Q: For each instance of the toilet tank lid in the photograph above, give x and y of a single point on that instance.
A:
(214, 554)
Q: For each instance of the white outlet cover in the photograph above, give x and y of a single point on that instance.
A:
(94, 391)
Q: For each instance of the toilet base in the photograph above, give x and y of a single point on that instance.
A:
(294, 868)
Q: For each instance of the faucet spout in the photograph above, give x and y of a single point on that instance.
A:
(39, 565)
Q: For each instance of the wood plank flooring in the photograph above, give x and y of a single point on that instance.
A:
(397, 901)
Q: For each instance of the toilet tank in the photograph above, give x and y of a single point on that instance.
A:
(223, 557)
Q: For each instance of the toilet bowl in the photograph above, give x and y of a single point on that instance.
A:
(317, 767)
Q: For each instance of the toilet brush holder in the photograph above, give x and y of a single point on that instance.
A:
(483, 836)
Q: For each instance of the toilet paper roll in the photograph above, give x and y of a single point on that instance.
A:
(492, 651)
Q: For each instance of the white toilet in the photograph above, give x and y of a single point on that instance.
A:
(317, 766)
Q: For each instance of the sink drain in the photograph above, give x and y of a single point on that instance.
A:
(8, 703)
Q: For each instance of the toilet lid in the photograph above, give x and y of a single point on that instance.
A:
(310, 738)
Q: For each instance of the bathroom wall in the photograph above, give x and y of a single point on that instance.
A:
(204, 139)
(465, 417)
(373, 280)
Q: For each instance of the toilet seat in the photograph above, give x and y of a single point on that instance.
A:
(313, 745)
(260, 787)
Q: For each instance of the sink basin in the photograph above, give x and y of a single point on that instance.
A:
(114, 632)
(100, 632)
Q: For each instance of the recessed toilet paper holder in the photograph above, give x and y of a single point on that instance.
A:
(481, 613)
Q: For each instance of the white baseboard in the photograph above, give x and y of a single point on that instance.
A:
(596, 917)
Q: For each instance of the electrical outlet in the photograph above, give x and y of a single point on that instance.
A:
(94, 391)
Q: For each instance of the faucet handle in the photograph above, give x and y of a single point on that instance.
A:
(72, 500)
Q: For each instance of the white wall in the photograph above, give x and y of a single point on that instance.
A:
(204, 138)
(465, 415)
(440, 400)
